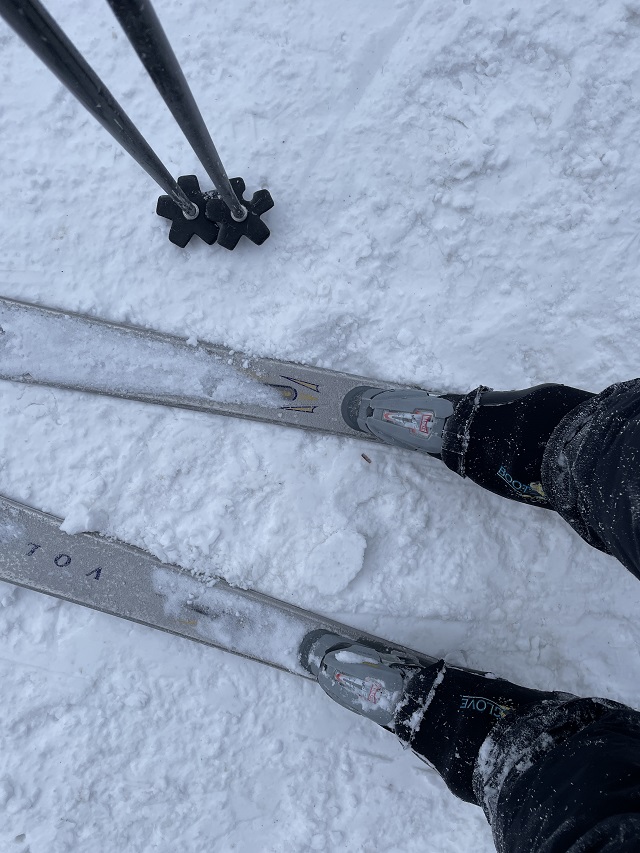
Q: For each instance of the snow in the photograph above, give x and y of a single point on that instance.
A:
(456, 191)
(351, 657)
(58, 349)
(243, 625)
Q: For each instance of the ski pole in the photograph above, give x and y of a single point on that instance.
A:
(144, 30)
(42, 34)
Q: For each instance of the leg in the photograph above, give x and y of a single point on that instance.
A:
(498, 438)
(590, 471)
(569, 450)
(551, 446)
(563, 778)
(552, 772)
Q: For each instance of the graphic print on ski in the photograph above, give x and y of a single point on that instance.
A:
(116, 578)
(63, 349)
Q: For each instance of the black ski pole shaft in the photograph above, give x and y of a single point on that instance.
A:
(41, 33)
(144, 30)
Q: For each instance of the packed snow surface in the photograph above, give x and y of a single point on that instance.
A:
(57, 348)
(457, 191)
(243, 625)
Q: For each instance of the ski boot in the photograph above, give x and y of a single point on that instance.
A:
(412, 419)
(368, 679)
(495, 438)
(443, 713)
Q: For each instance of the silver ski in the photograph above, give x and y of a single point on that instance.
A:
(47, 346)
(116, 578)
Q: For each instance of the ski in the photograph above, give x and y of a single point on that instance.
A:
(62, 349)
(124, 581)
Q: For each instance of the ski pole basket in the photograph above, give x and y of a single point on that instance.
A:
(221, 215)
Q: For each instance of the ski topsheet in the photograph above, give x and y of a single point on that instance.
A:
(116, 578)
(46, 346)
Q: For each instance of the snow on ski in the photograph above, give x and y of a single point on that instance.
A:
(47, 346)
(124, 581)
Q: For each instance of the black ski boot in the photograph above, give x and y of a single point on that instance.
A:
(495, 438)
(444, 713)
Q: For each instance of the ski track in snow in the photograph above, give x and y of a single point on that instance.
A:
(456, 192)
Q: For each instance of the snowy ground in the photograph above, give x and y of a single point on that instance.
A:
(457, 201)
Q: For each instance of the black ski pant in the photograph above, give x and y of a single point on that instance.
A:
(553, 773)
(560, 448)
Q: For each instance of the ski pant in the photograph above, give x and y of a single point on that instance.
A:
(560, 448)
(553, 773)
